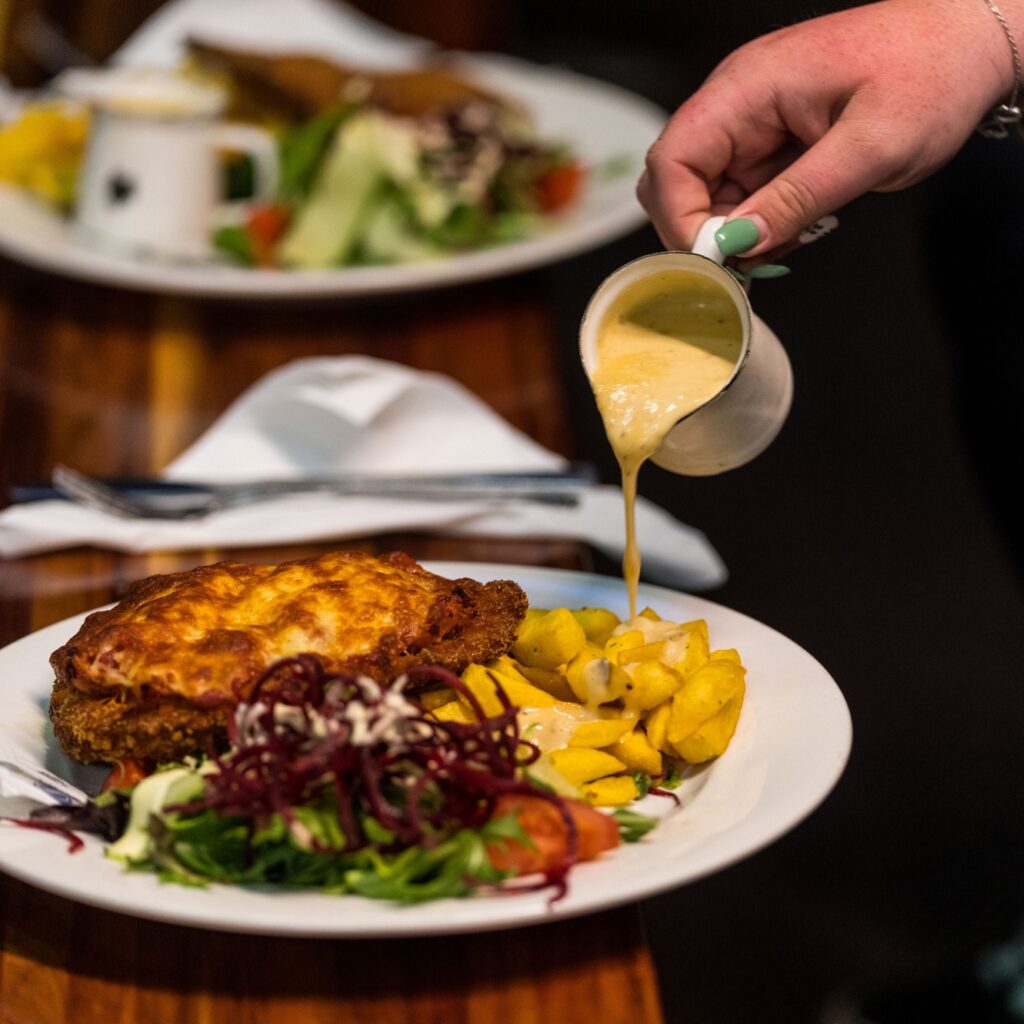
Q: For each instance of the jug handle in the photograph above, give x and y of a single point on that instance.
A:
(260, 145)
(705, 245)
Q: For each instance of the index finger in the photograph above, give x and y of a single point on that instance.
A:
(684, 170)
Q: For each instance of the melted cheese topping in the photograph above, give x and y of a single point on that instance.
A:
(665, 346)
(202, 634)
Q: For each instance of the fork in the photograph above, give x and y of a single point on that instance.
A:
(171, 500)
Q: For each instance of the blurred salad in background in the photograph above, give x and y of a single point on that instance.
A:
(360, 185)
(375, 167)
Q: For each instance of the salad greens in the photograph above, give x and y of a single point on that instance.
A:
(343, 784)
(301, 149)
(632, 826)
(199, 848)
(207, 847)
(360, 185)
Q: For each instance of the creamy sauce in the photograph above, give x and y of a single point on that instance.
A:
(552, 728)
(675, 638)
(665, 346)
(597, 677)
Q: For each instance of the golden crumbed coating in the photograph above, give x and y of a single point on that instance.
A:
(300, 86)
(154, 677)
(90, 729)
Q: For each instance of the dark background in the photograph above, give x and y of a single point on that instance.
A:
(877, 532)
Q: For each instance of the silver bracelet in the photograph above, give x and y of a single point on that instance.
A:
(996, 125)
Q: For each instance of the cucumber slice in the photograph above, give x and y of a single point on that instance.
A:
(328, 226)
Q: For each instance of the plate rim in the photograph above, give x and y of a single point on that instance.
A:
(518, 911)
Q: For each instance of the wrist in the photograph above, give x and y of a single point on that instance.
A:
(1004, 38)
(1005, 112)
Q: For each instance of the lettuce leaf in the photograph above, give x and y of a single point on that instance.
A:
(202, 848)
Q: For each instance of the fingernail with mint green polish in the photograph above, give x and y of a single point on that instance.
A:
(767, 270)
(736, 236)
(742, 278)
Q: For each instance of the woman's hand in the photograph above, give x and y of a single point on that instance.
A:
(799, 122)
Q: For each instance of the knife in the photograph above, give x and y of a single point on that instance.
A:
(554, 487)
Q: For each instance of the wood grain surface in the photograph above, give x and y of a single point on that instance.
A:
(117, 382)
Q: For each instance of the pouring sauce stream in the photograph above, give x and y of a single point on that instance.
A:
(665, 346)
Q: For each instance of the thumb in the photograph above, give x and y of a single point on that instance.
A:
(840, 166)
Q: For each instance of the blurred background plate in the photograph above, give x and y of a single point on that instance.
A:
(601, 123)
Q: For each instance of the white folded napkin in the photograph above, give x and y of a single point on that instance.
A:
(357, 415)
(324, 28)
(354, 414)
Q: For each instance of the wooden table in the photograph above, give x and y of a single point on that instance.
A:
(117, 383)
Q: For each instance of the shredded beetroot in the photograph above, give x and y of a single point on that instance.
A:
(304, 732)
(75, 843)
(657, 791)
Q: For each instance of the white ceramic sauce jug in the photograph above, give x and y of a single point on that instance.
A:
(151, 180)
(742, 418)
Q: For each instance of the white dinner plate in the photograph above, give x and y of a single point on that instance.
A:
(789, 750)
(600, 122)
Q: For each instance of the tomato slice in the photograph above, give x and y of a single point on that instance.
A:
(546, 829)
(125, 774)
(557, 188)
(265, 225)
